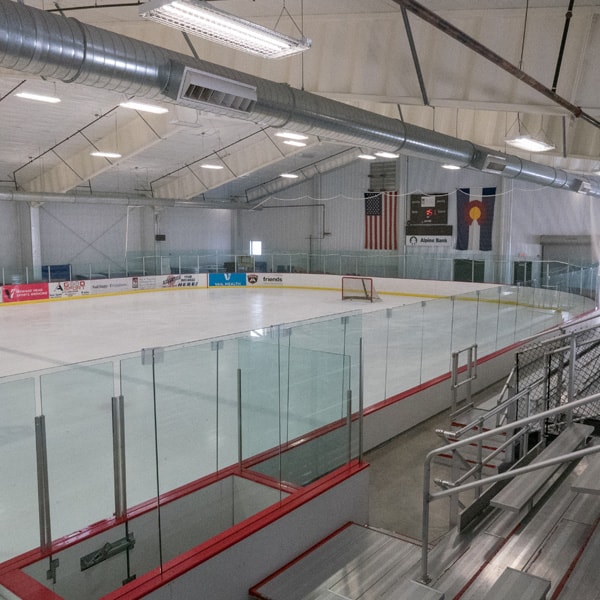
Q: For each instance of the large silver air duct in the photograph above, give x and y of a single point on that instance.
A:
(56, 47)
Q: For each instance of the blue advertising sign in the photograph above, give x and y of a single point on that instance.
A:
(226, 279)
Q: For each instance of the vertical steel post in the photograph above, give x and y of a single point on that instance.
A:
(239, 401)
(572, 376)
(43, 487)
(349, 422)
(361, 383)
(119, 467)
(454, 380)
(453, 508)
(425, 524)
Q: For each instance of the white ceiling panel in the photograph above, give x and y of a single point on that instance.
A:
(360, 55)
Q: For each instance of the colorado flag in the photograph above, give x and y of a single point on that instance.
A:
(474, 218)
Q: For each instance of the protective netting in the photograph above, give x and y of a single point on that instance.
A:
(558, 371)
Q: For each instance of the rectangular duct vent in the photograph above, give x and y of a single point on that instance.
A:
(198, 88)
(493, 164)
(382, 176)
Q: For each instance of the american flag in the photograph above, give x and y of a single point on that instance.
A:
(381, 232)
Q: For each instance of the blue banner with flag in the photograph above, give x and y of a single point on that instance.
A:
(475, 218)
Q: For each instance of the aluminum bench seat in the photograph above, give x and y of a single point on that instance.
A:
(520, 491)
(513, 585)
(589, 481)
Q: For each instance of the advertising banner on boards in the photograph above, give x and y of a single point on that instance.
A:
(69, 289)
(226, 279)
(268, 279)
(25, 292)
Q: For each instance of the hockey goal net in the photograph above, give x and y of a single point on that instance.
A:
(359, 288)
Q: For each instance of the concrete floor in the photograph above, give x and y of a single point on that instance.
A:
(396, 482)
(396, 476)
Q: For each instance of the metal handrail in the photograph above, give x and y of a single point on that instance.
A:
(522, 424)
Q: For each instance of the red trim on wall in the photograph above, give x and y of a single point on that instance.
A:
(134, 512)
(27, 588)
(30, 589)
(189, 560)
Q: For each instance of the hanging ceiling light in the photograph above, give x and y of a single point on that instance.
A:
(523, 140)
(200, 18)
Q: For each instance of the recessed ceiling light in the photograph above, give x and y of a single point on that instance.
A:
(294, 143)
(106, 154)
(38, 97)
(367, 156)
(289, 175)
(387, 154)
(289, 135)
(143, 107)
(451, 167)
(209, 166)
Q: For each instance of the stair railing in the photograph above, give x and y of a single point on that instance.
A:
(518, 429)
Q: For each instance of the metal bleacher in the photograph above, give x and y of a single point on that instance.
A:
(522, 476)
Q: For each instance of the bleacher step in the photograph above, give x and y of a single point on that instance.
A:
(354, 562)
(522, 488)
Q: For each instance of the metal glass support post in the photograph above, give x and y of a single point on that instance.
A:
(119, 467)
(216, 347)
(42, 479)
(349, 422)
(239, 403)
(425, 524)
(361, 384)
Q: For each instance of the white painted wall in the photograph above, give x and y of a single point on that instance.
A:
(81, 234)
(324, 214)
(10, 250)
(189, 228)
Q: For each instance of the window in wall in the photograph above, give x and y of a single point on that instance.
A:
(255, 247)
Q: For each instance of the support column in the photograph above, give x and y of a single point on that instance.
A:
(36, 243)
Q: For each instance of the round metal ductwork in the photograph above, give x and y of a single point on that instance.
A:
(53, 46)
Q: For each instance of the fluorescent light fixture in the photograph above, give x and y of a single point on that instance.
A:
(451, 167)
(201, 18)
(367, 156)
(294, 143)
(106, 154)
(289, 176)
(523, 140)
(38, 97)
(288, 135)
(143, 107)
(213, 167)
(387, 155)
(529, 143)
